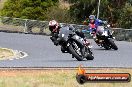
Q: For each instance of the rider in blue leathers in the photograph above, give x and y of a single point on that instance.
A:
(93, 23)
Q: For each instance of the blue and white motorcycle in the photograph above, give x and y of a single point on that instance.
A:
(104, 38)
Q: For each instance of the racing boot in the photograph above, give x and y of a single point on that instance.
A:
(56, 42)
(72, 56)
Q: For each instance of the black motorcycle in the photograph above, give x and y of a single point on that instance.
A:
(72, 43)
(104, 38)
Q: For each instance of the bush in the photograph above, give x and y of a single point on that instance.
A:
(61, 15)
(30, 9)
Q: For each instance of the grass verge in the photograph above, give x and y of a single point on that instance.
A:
(5, 53)
(54, 78)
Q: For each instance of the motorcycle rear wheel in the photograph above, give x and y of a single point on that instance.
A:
(106, 46)
(89, 55)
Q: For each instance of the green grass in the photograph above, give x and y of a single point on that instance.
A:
(53, 78)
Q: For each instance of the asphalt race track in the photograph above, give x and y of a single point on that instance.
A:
(42, 53)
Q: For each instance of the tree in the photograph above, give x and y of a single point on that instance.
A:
(125, 19)
(116, 12)
(31, 9)
(82, 8)
(111, 10)
(59, 14)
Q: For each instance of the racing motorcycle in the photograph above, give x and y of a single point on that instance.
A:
(72, 43)
(104, 38)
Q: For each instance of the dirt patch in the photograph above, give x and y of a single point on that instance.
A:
(5, 53)
(10, 54)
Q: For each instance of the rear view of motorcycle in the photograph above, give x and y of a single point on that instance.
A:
(104, 38)
(72, 43)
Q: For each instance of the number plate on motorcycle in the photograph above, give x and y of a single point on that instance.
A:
(105, 33)
(63, 35)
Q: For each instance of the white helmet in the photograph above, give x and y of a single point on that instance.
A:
(53, 23)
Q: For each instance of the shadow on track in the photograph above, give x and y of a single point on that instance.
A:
(103, 49)
(74, 60)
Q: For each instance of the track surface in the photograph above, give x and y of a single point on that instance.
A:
(42, 53)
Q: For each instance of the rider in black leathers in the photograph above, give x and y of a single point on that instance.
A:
(54, 27)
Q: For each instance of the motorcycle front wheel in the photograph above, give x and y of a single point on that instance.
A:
(74, 52)
(113, 45)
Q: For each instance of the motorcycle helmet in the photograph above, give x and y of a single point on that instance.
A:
(92, 17)
(53, 25)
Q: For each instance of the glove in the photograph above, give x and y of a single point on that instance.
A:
(85, 31)
(105, 22)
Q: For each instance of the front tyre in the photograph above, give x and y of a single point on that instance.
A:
(113, 45)
(74, 53)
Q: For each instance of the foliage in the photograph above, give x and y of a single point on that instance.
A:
(117, 12)
(61, 15)
(30, 9)
(125, 19)
(82, 9)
